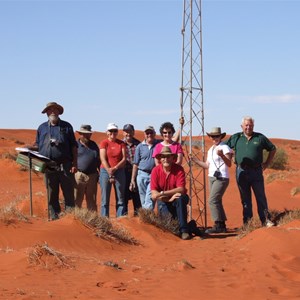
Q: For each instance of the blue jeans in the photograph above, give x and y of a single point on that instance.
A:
(143, 183)
(178, 210)
(119, 187)
(247, 179)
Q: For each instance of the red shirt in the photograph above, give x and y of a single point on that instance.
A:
(160, 181)
(113, 151)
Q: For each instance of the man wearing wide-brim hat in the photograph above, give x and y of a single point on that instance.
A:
(88, 169)
(168, 185)
(55, 139)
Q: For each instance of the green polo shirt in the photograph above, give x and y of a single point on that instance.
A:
(249, 152)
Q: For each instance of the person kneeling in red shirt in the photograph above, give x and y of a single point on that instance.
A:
(168, 186)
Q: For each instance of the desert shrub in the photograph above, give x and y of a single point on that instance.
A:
(103, 227)
(164, 222)
(47, 257)
(280, 159)
(286, 216)
(10, 214)
(295, 191)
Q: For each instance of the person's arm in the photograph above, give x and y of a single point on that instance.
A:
(167, 196)
(122, 162)
(132, 185)
(104, 161)
(75, 156)
(202, 164)
(269, 159)
(227, 158)
(179, 159)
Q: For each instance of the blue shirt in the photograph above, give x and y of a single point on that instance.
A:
(56, 141)
(143, 156)
(88, 157)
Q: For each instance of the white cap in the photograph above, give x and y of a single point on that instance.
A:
(111, 126)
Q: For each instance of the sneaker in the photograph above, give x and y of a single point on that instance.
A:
(185, 236)
(269, 223)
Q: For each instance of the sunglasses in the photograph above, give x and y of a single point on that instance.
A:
(167, 132)
(113, 130)
(215, 136)
(149, 132)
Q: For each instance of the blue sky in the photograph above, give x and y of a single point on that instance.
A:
(120, 61)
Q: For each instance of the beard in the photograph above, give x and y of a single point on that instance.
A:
(53, 119)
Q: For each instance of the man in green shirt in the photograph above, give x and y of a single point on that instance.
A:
(248, 146)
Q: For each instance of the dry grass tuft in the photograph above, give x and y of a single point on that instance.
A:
(10, 214)
(103, 227)
(47, 257)
(164, 222)
(252, 225)
(287, 216)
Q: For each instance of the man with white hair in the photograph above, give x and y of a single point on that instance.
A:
(248, 146)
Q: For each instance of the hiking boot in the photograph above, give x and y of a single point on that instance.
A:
(219, 227)
(185, 236)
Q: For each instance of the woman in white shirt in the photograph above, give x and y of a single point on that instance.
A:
(217, 162)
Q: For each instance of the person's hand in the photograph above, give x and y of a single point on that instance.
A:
(181, 120)
(73, 170)
(220, 152)
(132, 186)
(174, 197)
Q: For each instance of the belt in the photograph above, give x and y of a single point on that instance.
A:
(146, 171)
(245, 167)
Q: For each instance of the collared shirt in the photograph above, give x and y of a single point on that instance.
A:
(56, 141)
(160, 181)
(88, 157)
(131, 150)
(249, 152)
(143, 156)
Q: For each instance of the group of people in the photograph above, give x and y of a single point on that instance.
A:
(150, 171)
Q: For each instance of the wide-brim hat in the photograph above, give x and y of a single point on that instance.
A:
(85, 129)
(53, 104)
(216, 131)
(165, 151)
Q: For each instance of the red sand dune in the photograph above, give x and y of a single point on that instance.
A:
(263, 265)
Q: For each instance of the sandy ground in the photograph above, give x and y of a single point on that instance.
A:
(263, 265)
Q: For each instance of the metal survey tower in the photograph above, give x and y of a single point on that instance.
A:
(191, 107)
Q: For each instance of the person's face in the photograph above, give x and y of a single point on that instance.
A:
(167, 134)
(128, 135)
(85, 137)
(167, 160)
(112, 134)
(247, 127)
(149, 136)
(53, 113)
(216, 139)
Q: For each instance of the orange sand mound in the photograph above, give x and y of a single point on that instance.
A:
(263, 265)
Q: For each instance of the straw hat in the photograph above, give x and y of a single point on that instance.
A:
(216, 131)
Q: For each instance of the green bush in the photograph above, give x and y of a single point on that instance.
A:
(280, 159)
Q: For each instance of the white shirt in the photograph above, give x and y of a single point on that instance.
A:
(216, 162)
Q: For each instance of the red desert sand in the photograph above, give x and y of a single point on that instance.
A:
(265, 264)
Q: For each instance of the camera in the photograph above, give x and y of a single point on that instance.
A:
(54, 142)
(217, 174)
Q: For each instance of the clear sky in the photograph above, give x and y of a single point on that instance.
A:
(120, 61)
